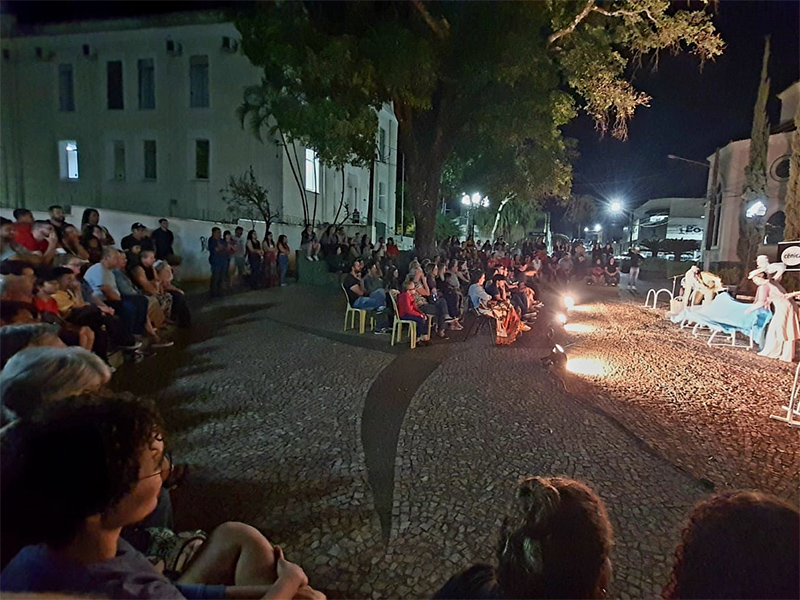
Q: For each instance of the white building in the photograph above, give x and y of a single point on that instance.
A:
(669, 219)
(726, 184)
(139, 115)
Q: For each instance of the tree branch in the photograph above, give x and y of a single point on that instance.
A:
(575, 22)
(439, 31)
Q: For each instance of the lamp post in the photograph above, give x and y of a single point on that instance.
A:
(473, 201)
(617, 207)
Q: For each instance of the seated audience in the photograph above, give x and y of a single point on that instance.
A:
(738, 545)
(154, 318)
(144, 276)
(92, 218)
(76, 514)
(46, 305)
(309, 244)
(408, 311)
(507, 322)
(9, 249)
(612, 272)
(391, 249)
(14, 338)
(57, 219)
(556, 544)
(357, 293)
(138, 238)
(597, 276)
(92, 241)
(38, 239)
(71, 242)
(180, 308)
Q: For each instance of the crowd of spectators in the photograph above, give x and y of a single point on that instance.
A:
(86, 510)
(79, 285)
(85, 475)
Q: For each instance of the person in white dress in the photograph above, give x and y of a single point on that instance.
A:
(784, 328)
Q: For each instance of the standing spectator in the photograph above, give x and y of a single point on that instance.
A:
(391, 249)
(163, 239)
(309, 244)
(270, 260)
(254, 258)
(380, 250)
(92, 217)
(218, 259)
(636, 261)
(138, 237)
(283, 257)
(239, 252)
(230, 246)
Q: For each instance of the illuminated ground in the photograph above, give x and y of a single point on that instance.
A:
(383, 471)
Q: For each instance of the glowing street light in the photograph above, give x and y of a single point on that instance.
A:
(615, 206)
(586, 230)
(756, 209)
(597, 227)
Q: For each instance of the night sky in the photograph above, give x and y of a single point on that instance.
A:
(692, 111)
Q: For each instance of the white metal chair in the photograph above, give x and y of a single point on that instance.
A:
(792, 409)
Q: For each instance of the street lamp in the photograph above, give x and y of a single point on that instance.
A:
(473, 201)
(597, 227)
(615, 206)
(756, 209)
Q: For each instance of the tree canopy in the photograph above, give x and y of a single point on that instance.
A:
(484, 86)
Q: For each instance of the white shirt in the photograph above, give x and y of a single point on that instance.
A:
(98, 276)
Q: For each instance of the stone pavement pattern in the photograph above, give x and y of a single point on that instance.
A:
(265, 397)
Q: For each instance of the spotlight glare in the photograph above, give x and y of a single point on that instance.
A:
(569, 302)
(591, 367)
(578, 328)
(561, 318)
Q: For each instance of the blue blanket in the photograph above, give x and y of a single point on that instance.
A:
(725, 314)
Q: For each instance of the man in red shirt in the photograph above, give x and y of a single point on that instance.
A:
(38, 237)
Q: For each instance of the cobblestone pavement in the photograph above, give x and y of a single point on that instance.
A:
(265, 398)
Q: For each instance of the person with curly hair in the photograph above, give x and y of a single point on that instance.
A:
(555, 543)
(738, 545)
(94, 465)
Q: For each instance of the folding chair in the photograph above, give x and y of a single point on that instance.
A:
(399, 323)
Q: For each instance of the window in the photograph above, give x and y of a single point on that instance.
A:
(118, 158)
(382, 153)
(68, 160)
(114, 85)
(780, 169)
(202, 155)
(312, 171)
(66, 90)
(773, 228)
(147, 84)
(198, 81)
(381, 195)
(150, 171)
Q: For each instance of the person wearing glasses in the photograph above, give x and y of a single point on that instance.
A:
(94, 465)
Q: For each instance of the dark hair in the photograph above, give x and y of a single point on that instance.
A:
(738, 545)
(476, 276)
(86, 213)
(282, 239)
(14, 338)
(54, 206)
(81, 458)
(252, 235)
(227, 232)
(239, 228)
(213, 229)
(4, 221)
(162, 220)
(556, 542)
(21, 212)
(55, 273)
(14, 267)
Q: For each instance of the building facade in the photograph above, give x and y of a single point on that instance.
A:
(726, 185)
(139, 115)
(669, 219)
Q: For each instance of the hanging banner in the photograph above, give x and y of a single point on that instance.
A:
(789, 254)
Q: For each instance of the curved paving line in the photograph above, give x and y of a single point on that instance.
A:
(384, 410)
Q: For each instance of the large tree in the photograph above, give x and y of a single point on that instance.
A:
(751, 221)
(467, 77)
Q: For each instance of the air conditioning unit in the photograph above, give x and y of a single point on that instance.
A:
(43, 55)
(174, 48)
(88, 52)
(230, 44)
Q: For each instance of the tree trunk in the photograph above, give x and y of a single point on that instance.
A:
(423, 186)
